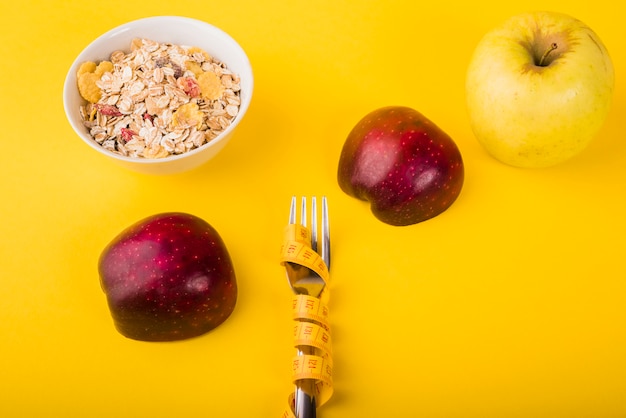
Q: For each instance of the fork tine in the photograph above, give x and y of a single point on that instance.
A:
(314, 223)
(292, 211)
(303, 212)
(325, 233)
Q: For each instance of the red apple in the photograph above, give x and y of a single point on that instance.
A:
(168, 277)
(403, 164)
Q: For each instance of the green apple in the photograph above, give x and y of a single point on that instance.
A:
(538, 88)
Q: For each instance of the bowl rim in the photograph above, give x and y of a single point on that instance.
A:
(70, 83)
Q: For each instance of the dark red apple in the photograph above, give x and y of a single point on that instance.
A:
(168, 277)
(403, 164)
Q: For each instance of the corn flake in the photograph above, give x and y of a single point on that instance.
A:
(195, 50)
(87, 87)
(104, 67)
(88, 75)
(187, 116)
(86, 67)
(194, 67)
(211, 86)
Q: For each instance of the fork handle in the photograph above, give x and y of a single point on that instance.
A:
(305, 405)
(305, 397)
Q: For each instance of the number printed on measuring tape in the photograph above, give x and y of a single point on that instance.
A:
(313, 335)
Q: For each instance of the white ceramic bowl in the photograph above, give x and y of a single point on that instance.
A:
(175, 30)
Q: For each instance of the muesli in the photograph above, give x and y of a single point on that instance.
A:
(157, 100)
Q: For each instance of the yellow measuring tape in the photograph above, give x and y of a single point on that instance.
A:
(310, 314)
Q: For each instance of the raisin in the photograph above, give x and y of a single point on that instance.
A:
(161, 62)
(178, 71)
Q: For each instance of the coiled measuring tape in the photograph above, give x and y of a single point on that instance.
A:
(310, 314)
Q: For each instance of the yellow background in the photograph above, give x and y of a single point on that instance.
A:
(510, 304)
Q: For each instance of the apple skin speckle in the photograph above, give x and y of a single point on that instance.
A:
(168, 277)
(403, 164)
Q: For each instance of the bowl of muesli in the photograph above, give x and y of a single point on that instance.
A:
(159, 95)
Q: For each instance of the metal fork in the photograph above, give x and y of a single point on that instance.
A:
(304, 281)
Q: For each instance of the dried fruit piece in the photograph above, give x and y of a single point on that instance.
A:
(161, 62)
(127, 134)
(178, 71)
(108, 110)
(187, 116)
(189, 86)
(210, 85)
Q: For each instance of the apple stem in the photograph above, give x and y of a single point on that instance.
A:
(553, 46)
